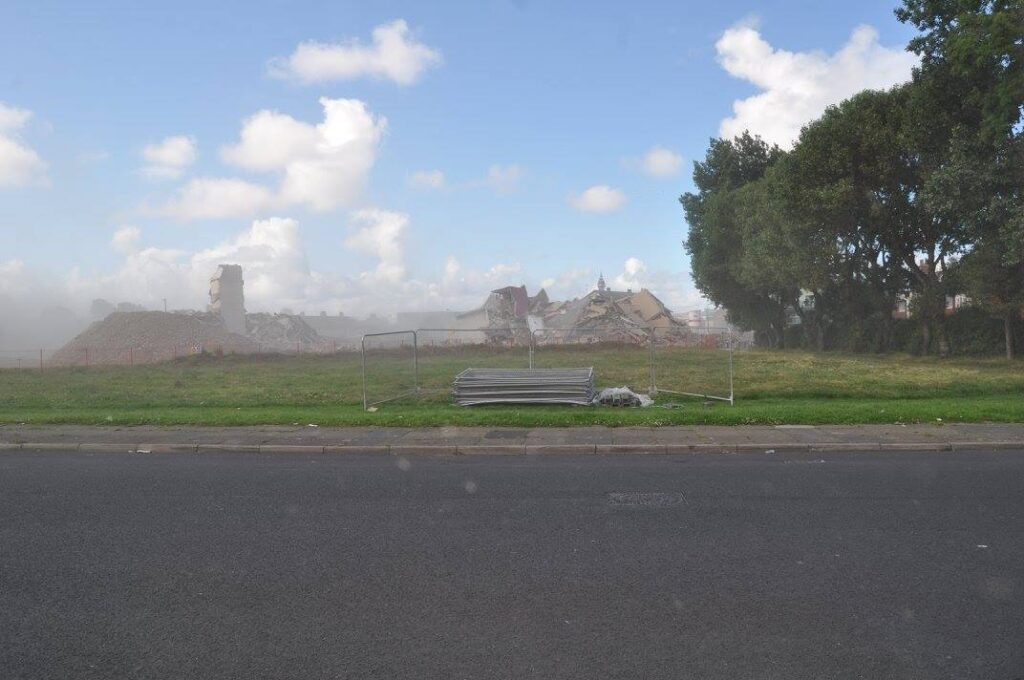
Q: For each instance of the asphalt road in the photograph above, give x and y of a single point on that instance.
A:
(901, 565)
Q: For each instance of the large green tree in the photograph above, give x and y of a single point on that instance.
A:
(715, 241)
(972, 80)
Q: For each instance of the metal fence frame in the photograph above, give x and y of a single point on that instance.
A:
(730, 346)
(415, 366)
(491, 329)
(651, 332)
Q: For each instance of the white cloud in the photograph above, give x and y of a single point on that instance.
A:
(675, 289)
(633, 270)
(214, 198)
(146, 276)
(270, 141)
(12, 118)
(126, 239)
(270, 251)
(661, 162)
(381, 234)
(427, 179)
(12, 277)
(273, 261)
(394, 56)
(570, 284)
(600, 198)
(20, 165)
(169, 158)
(798, 86)
(320, 167)
(504, 178)
(458, 282)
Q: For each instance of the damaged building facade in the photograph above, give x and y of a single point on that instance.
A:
(227, 297)
(511, 313)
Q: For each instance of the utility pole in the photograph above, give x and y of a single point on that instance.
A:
(165, 305)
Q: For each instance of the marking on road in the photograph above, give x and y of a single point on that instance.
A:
(651, 499)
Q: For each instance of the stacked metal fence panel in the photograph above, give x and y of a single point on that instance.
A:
(524, 386)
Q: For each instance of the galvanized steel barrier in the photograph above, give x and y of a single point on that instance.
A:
(415, 366)
(672, 361)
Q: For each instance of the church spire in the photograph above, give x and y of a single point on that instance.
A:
(600, 283)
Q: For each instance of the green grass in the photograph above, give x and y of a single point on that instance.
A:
(771, 388)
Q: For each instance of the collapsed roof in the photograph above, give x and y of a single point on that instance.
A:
(620, 316)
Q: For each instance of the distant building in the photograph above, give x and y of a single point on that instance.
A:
(602, 314)
(227, 298)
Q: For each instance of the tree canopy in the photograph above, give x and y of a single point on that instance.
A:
(909, 194)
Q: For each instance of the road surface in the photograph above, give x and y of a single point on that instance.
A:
(851, 565)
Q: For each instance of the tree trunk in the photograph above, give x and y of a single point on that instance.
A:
(926, 337)
(1008, 334)
(943, 336)
(820, 328)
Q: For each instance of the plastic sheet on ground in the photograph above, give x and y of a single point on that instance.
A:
(622, 396)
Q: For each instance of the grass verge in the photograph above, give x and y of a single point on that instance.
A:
(771, 388)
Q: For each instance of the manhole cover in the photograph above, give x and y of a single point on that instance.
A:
(652, 499)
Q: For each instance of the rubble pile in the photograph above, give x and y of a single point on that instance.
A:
(129, 337)
(146, 337)
(603, 315)
(281, 332)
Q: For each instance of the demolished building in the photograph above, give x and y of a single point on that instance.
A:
(601, 315)
(227, 297)
(134, 336)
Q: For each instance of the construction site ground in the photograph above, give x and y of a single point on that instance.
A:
(772, 388)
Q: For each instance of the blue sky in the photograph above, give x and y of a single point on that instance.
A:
(520, 107)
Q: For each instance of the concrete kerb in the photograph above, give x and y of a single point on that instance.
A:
(491, 449)
(227, 448)
(426, 449)
(509, 449)
(996, 445)
(376, 449)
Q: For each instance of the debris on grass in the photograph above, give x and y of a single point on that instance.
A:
(621, 396)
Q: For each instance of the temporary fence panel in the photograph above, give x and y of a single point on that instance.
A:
(693, 364)
(390, 366)
(446, 352)
(621, 356)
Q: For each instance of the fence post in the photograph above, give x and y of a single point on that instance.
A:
(87, 356)
(731, 395)
(415, 362)
(532, 340)
(654, 384)
(40, 361)
(131, 356)
(362, 351)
